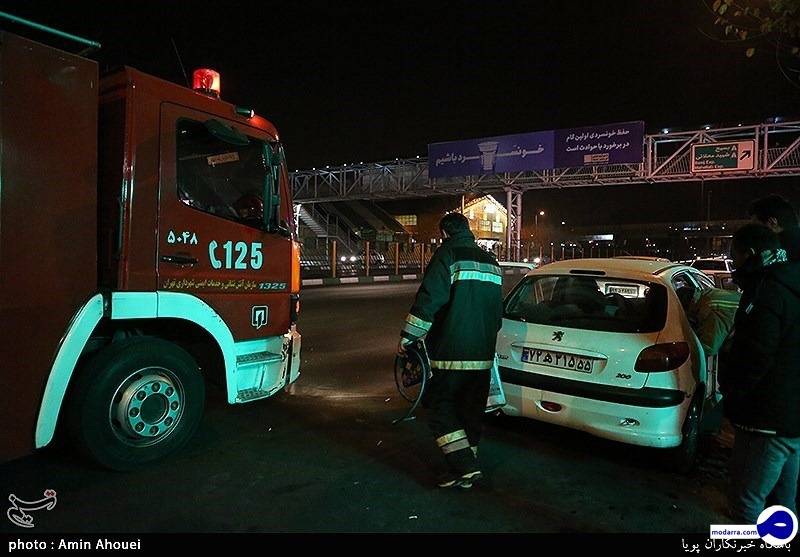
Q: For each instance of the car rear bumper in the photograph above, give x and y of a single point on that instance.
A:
(647, 417)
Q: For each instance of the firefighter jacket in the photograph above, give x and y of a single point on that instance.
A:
(458, 307)
(713, 314)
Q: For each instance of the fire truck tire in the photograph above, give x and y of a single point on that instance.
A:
(135, 402)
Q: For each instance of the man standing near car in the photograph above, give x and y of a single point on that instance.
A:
(458, 309)
(778, 214)
(761, 380)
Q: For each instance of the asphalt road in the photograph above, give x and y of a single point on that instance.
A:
(324, 457)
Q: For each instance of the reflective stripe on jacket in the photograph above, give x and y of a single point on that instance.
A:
(714, 314)
(458, 307)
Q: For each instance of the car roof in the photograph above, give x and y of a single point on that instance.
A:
(640, 268)
(643, 258)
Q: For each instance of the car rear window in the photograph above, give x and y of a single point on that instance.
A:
(591, 303)
(710, 265)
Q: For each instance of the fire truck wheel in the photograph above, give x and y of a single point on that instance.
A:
(135, 402)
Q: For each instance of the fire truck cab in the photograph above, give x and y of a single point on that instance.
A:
(146, 247)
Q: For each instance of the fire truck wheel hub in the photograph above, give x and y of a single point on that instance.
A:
(147, 406)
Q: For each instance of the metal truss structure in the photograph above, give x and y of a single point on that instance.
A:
(667, 158)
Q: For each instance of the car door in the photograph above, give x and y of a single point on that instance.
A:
(698, 281)
(703, 281)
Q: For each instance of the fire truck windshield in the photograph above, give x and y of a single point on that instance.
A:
(222, 177)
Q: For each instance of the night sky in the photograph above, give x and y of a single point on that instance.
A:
(348, 82)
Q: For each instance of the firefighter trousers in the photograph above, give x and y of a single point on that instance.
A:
(457, 401)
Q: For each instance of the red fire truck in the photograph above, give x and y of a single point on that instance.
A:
(146, 248)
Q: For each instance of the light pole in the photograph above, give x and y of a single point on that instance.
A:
(536, 219)
(536, 230)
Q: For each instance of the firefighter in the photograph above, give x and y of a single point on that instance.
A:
(458, 309)
(711, 313)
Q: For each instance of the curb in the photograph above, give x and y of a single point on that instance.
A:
(330, 281)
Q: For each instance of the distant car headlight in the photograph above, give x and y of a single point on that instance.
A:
(353, 258)
(344, 259)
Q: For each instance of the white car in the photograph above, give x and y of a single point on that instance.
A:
(718, 269)
(604, 346)
(712, 266)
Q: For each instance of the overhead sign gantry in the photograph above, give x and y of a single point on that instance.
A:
(669, 156)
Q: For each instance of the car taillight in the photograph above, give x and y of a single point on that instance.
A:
(295, 268)
(662, 357)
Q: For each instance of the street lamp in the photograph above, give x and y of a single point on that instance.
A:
(539, 214)
(536, 229)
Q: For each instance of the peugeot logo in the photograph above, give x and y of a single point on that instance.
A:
(558, 336)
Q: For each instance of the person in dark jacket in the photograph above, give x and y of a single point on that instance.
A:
(458, 309)
(778, 214)
(761, 380)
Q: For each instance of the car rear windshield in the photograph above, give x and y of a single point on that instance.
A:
(592, 303)
(710, 265)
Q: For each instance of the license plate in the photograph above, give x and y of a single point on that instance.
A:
(557, 359)
(627, 291)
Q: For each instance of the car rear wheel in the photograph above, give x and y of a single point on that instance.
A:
(684, 456)
(135, 402)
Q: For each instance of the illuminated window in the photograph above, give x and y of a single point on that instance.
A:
(407, 220)
(486, 226)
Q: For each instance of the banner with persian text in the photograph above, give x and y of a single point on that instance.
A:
(568, 148)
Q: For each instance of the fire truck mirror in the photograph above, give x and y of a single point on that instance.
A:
(272, 198)
(226, 133)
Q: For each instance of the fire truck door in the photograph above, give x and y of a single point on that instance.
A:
(214, 240)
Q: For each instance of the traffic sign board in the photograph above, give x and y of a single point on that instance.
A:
(723, 157)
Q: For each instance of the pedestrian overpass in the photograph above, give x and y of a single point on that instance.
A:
(669, 156)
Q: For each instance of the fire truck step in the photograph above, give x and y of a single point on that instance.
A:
(257, 358)
(247, 395)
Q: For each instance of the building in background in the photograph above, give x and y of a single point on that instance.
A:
(487, 217)
(488, 220)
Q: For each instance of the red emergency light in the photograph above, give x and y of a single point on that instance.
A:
(206, 81)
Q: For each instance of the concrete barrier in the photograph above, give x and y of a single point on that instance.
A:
(392, 278)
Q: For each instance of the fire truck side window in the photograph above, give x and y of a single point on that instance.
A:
(219, 177)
